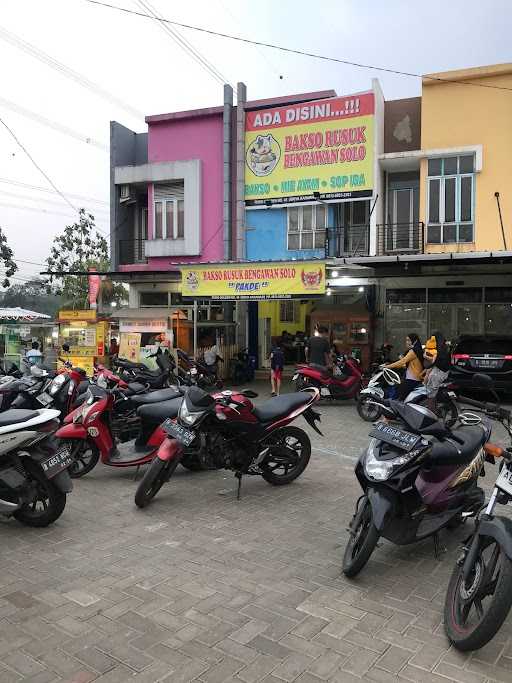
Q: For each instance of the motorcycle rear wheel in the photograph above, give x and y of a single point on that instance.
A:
(465, 602)
(292, 439)
(48, 504)
(362, 541)
(367, 411)
(154, 478)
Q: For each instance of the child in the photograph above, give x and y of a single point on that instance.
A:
(276, 369)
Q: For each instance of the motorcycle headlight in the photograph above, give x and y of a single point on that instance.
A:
(56, 384)
(380, 470)
(186, 416)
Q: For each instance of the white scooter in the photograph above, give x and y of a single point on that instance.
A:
(34, 480)
(378, 388)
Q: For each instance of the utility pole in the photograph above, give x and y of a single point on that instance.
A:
(497, 195)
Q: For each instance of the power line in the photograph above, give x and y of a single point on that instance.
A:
(17, 183)
(39, 199)
(183, 43)
(303, 53)
(45, 175)
(18, 109)
(66, 71)
(10, 205)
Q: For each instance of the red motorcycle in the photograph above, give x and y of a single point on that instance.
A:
(239, 436)
(91, 430)
(342, 382)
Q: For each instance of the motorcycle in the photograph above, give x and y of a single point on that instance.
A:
(381, 385)
(418, 476)
(479, 595)
(242, 368)
(193, 372)
(344, 382)
(93, 430)
(140, 373)
(246, 439)
(34, 480)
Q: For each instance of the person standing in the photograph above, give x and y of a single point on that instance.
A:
(211, 357)
(33, 355)
(276, 369)
(318, 350)
(413, 364)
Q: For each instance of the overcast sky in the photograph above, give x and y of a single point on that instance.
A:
(144, 69)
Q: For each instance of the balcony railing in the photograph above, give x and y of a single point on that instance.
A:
(350, 241)
(400, 238)
(131, 251)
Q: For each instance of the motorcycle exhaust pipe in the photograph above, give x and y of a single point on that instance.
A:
(7, 507)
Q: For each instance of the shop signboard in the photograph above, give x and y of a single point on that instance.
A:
(272, 280)
(143, 326)
(82, 315)
(324, 147)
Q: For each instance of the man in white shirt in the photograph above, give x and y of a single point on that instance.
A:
(34, 355)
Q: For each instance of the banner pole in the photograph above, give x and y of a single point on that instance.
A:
(195, 328)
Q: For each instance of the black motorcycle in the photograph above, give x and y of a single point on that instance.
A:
(242, 369)
(479, 595)
(160, 378)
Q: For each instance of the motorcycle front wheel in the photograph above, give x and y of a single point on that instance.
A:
(47, 503)
(154, 478)
(362, 541)
(369, 412)
(290, 451)
(85, 457)
(475, 609)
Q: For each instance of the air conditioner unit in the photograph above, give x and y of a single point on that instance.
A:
(126, 196)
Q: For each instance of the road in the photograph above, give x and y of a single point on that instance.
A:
(202, 587)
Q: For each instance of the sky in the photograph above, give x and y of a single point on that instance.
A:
(142, 70)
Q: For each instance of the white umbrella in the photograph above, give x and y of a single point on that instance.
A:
(22, 314)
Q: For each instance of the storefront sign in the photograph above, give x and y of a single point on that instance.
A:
(129, 346)
(77, 315)
(324, 146)
(255, 280)
(143, 326)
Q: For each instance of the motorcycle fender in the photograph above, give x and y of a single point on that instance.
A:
(499, 528)
(169, 450)
(71, 431)
(382, 505)
(311, 416)
(62, 480)
(372, 391)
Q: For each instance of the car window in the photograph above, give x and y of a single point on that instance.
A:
(478, 347)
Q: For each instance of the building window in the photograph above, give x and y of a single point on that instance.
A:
(169, 219)
(450, 200)
(287, 311)
(306, 227)
(153, 298)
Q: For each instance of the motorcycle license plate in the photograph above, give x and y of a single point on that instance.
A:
(44, 399)
(393, 436)
(184, 436)
(59, 461)
(504, 481)
(295, 378)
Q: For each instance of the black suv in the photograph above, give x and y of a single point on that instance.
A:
(489, 354)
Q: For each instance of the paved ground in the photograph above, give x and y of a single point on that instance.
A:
(202, 587)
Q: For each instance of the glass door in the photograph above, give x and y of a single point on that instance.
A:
(400, 234)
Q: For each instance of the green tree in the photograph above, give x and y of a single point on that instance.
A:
(7, 260)
(79, 248)
(31, 295)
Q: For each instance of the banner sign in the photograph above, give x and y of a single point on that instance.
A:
(94, 288)
(142, 325)
(324, 146)
(255, 280)
(82, 315)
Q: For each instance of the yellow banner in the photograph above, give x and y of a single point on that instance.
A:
(77, 315)
(316, 150)
(255, 280)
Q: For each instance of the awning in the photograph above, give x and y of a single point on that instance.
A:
(22, 314)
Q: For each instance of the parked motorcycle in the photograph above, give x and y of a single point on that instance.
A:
(479, 595)
(242, 368)
(92, 430)
(343, 382)
(34, 480)
(248, 440)
(418, 476)
(193, 372)
(160, 378)
(382, 385)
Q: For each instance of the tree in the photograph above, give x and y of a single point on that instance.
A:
(79, 248)
(7, 258)
(31, 295)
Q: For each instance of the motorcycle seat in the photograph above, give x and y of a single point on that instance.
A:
(156, 396)
(323, 369)
(450, 452)
(158, 412)
(14, 416)
(280, 406)
(135, 388)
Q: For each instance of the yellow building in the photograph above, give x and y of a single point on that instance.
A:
(466, 139)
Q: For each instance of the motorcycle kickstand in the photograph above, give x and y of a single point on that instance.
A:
(238, 475)
(136, 475)
(438, 549)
